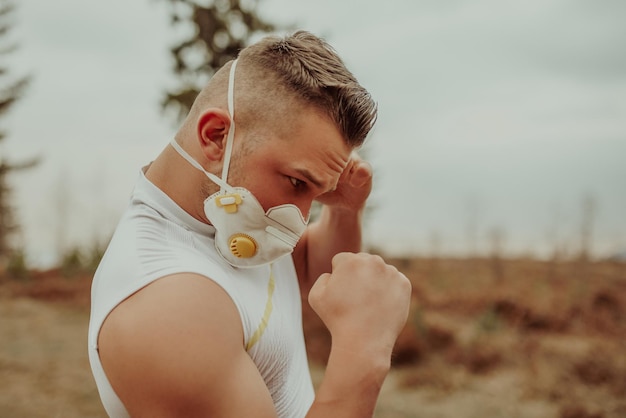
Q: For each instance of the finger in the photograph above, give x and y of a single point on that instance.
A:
(347, 171)
(361, 174)
(339, 258)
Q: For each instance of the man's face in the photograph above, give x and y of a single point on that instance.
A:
(296, 169)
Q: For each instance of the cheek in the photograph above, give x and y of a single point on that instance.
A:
(261, 190)
(305, 209)
(274, 190)
(265, 193)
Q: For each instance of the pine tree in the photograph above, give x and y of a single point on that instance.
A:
(221, 29)
(10, 91)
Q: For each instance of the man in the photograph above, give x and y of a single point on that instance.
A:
(196, 308)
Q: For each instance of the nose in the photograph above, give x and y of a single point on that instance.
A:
(306, 208)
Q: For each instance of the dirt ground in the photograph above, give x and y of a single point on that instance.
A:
(486, 338)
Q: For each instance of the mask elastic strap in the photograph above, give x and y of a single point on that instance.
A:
(231, 131)
(223, 185)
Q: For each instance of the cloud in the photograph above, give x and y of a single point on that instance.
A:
(516, 105)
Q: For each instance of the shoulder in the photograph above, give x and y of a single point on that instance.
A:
(176, 348)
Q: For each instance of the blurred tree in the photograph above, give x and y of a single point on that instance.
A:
(589, 207)
(10, 91)
(220, 29)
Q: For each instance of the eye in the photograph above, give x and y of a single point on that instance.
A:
(297, 183)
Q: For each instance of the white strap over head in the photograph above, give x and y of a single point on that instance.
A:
(222, 182)
(231, 131)
(223, 185)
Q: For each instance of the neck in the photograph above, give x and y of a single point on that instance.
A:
(183, 183)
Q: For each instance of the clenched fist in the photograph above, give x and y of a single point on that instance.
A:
(364, 302)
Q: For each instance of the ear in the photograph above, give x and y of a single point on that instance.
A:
(212, 129)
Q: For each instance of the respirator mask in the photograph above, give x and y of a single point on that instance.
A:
(245, 234)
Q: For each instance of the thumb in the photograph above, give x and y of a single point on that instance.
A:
(315, 294)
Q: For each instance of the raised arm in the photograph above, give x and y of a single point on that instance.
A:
(364, 302)
(339, 227)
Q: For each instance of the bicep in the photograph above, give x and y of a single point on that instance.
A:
(175, 348)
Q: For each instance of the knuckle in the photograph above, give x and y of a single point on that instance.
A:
(392, 269)
(340, 257)
(379, 259)
(312, 297)
(374, 259)
(408, 286)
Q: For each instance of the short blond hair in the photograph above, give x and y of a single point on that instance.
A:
(309, 70)
(276, 78)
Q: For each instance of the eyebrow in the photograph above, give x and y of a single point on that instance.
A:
(310, 177)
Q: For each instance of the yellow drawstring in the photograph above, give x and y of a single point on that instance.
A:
(266, 315)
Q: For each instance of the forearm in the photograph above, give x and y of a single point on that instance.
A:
(351, 384)
(337, 230)
(364, 303)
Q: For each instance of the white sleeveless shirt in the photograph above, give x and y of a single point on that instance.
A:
(156, 238)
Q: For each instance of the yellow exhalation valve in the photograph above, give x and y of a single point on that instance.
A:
(229, 202)
(242, 246)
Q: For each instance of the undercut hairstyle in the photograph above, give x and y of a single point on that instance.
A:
(279, 78)
(304, 69)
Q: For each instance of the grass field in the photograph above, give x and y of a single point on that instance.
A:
(486, 338)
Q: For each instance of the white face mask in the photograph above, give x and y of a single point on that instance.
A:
(246, 235)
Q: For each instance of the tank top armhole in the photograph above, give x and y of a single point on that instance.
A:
(136, 286)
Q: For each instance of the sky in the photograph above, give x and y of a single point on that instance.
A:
(501, 124)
